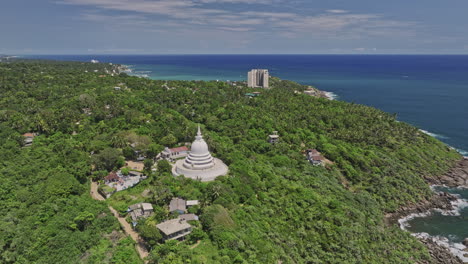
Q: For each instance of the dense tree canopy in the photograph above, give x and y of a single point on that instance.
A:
(272, 206)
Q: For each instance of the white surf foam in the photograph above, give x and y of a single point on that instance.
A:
(458, 205)
(404, 222)
(433, 134)
(456, 249)
(331, 95)
(463, 152)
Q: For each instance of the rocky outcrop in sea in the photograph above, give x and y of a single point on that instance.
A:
(441, 201)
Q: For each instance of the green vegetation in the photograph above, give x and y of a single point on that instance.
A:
(273, 205)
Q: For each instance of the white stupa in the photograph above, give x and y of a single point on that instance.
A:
(199, 164)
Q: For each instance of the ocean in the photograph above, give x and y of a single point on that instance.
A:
(427, 91)
(447, 228)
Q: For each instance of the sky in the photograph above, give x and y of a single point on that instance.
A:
(233, 27)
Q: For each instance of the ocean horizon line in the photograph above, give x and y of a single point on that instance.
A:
(240, 54)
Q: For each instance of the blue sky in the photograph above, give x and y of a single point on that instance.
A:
(233, 26)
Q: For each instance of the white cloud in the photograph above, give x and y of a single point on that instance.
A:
(180, 15)
(337, 11)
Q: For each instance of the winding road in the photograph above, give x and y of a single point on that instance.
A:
(139, 242)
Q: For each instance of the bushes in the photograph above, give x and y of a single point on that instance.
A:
(273, 205)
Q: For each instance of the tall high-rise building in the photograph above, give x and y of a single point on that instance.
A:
(258, 78)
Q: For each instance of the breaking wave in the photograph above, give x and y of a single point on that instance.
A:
(331, 95)
(457, 249)
(433, 134)
(463, 152)
(459, 204)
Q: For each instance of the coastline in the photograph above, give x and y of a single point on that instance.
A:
(440, 250)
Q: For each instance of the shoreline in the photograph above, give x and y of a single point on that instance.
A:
(439, 248)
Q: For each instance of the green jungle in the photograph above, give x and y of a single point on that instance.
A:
(272, 207)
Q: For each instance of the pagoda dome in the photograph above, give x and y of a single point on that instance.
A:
(199, 148)
(200, 157)
(199, 164)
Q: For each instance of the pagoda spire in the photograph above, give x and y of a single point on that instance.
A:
(199, 134)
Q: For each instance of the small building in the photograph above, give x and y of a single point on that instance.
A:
(189, 217)
(315, 157)
(177, 205)
(251, 95)
(140, 210)
(112, 177)
(28, 139)
(140, 157)
(135, 173)
(174, 153)
(316, 160)
(174, 229)
(274, 138)
(192, 203)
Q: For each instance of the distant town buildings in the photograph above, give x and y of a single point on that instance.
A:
(94, 61)
(258, 78)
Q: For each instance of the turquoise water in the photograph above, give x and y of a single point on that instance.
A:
(453, 225)
(447, 228)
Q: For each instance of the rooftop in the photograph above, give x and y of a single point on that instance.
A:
(188, 217)
(146, 206)
(313, 152)
(112, 177)
(179, 149)
(173, 226)
(192, 202)
(177, 204)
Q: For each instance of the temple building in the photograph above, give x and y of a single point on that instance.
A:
(199, 164)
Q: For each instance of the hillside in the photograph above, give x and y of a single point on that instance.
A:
(273, 207)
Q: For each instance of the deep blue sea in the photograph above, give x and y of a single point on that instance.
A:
(428, 91)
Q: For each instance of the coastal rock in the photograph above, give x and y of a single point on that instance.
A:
(456, 177)
(465, 242)
(439, 253)
(441, 201)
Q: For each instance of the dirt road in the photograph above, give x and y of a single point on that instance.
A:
(125, 225)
